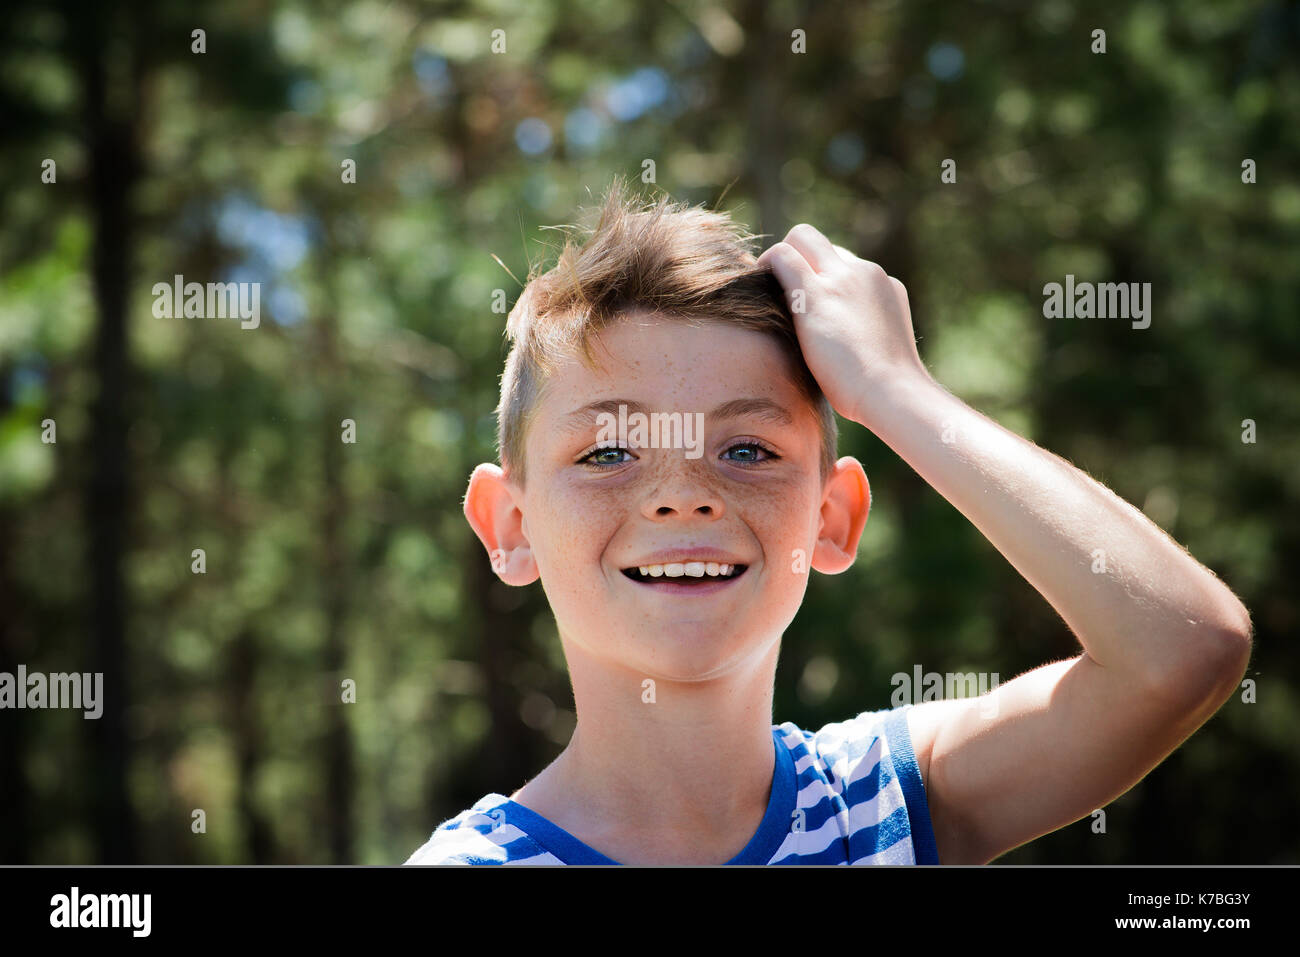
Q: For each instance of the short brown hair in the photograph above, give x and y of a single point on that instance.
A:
(683, 263)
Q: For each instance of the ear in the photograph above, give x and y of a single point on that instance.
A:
(490, 507)
(845, 504)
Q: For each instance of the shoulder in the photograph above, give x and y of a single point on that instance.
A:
(479, 835)
(844, 744)
(868, 766)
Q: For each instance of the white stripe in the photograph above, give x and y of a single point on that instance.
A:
(813, 793)
(466, 840)
(546, 858)
(817, 841)
(871, 812)
(900, 852)
(848, 771)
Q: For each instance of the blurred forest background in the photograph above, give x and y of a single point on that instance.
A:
(327, 561)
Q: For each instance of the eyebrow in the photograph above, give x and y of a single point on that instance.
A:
(765, 409)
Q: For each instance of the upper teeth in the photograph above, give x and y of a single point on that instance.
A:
(694, 569)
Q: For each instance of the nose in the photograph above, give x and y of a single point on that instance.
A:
(683, 496)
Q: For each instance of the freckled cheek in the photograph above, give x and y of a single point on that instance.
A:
(778, 515)
(577, 530)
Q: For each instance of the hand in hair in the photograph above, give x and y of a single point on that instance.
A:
(853, 320)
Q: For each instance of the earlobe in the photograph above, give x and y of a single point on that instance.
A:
(492, 512)
(845, 506)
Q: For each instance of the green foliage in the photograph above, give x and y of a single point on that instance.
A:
(327, 561)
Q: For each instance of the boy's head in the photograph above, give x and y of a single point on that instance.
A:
(662, 321)
(684, 264)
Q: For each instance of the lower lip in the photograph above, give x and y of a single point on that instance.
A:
(670, 586)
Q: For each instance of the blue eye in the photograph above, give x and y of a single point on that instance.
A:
(605, 450)
(771, 456)
(592, 457)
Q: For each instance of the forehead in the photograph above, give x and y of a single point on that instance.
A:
(678, 359)
(656, 365)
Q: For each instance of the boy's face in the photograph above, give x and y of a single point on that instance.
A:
(746, 492)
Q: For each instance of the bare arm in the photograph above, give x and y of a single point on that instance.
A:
(1137, 601)
(1164, 641)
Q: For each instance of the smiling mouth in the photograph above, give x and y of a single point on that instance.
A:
(685, 573)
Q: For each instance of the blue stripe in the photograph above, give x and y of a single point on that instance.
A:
(832, 854)
(894, 827)
(863, 789)
(769, 837)
(826, 808)
(909, 775)
(552, 837)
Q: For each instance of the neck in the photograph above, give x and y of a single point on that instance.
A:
(686, 767)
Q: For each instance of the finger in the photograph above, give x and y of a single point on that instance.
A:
(845, 254)
(900, 291)
(789, 267)
(814, 247)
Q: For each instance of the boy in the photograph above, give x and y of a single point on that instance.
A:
(673, 569)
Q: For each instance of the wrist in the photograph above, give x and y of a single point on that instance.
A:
(895, 393)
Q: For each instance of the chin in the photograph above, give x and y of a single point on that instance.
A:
(689, 653)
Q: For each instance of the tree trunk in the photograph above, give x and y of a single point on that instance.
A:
(113, 167)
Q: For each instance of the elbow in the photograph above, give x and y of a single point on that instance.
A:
(1214, 660)
(1233, 633)
(1222, 657)
(1240, 639)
